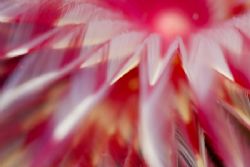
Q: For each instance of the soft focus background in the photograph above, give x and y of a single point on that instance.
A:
(124, 83)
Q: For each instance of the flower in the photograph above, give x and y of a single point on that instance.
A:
(124, 83)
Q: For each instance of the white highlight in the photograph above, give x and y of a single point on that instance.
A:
(10, 96)
(24, 49)
(130, 64)
(5, 19)
(18, 52)
(121, 47)
(64, 127)
(151, 138)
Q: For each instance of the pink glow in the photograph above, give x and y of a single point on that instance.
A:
(146, 11)
(171, 24)
(128, 83)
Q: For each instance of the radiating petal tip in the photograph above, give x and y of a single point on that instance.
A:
(124, 83)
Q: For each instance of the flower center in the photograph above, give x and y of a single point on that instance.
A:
(170, 17)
